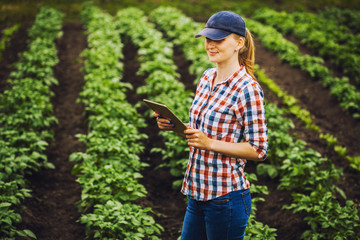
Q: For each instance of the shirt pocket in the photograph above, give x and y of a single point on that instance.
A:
(221, 121)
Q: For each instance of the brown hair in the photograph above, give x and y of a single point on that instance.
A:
(246, 54)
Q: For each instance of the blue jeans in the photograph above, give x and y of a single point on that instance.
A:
(222, 218)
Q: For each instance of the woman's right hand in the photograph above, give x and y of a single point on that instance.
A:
(163, 123)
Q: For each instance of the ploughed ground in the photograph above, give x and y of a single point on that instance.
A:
(11, 54)
(52, 214)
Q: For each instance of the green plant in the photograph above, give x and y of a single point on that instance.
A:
(115, 220)
(347, 94)
(108, 171)
(323, 35)
(25, 117)
(162, 84)
(327, 218)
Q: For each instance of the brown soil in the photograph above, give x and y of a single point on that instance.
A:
(52, 212)
(314, 97)
(331, 119)
(163, 199)
(10, 56)
(337, 72)
(326, 112)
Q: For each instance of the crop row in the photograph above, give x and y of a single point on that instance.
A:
(305, 116)
(26, 114)
(108, 171)
(326, 30)
(346, 93)
(313, 189)
(310, 177)
(292, 161)
(340, 87)
(329, 39)
(162, 85)
(347, 17)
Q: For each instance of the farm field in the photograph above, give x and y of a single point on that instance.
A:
(86, 160)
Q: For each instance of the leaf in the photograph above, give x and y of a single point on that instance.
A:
(340, 191)
(5, 204)
(49, 165)
(30, 233)
(267, 169)
(272, 172)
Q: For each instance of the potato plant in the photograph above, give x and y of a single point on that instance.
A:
(26, 114)
(108, 171)
(162, 82)
(326, 37)
(305, 117)
(346, 93)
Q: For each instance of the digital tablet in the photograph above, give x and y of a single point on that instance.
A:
(165, 112)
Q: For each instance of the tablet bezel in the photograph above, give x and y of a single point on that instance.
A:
(164, 111)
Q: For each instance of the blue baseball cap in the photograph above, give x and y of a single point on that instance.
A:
(222, 24)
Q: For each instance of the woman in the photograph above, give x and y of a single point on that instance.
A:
(227, 127)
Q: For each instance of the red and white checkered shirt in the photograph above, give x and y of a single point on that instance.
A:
(233, 112)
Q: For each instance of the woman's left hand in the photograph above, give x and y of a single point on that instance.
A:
(197, 138)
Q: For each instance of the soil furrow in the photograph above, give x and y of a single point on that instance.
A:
(168, 204)
(11, 54)
(337, 71)
(327, 114)
(52, 213)
(314, 97)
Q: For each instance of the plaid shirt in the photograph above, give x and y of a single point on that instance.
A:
(232, 112)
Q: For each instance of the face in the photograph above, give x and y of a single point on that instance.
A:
(223, 51)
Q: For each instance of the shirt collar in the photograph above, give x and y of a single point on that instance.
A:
(231, 80)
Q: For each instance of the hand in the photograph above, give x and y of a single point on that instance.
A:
(197, 138)
(163, 123)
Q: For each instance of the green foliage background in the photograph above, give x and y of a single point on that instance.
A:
(15, 10)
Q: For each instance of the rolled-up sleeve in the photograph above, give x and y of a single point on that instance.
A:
(254, 122)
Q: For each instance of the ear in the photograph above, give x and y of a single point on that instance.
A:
(240, 43)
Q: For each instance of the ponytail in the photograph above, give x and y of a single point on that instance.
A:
(246, 54)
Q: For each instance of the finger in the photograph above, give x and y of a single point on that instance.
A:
(192, 144)
(192, 136)
(190, 131)
(164, 121)
(189, 136)
(165, 125)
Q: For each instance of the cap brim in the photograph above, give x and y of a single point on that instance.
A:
(213, 33)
